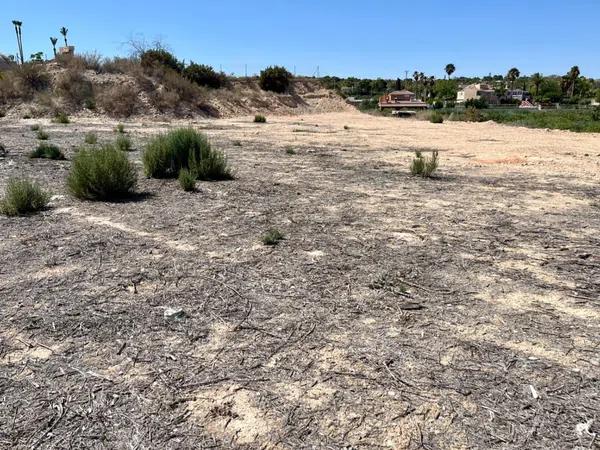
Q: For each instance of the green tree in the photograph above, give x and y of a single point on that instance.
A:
(398, 85)
(450, 69)
(54, 41)
(64, 32)
(512, 76)
(536, 80)
(571, 78)
(18, 24)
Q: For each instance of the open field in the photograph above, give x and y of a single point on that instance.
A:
(456, 312)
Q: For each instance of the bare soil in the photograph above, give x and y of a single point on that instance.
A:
(459, 312)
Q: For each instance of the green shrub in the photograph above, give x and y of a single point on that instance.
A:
(290, 150)
(187, 180)
(123, 143)
(101, 174)
(160, 58)
(35, 127)
(184, 148)
(259, 118)
(473, 115)
(272, 237)
(42, 135)
(276, 79)
(436, 117)
(91, 138)
(120, 128)
(423, 166)
(204, 75)
(596, 113)
(61, 117)
(47, 151)
(477, 103)
(23, 197)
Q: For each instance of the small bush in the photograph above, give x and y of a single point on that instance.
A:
(184, 148)
(61, 117)
(89, 103)
(35, 127)
(101, 174)
(47, 151)
(473, 115)
(260, 119)
(23, 197)
(42, 135)
(74, 88)
(436, 117)
(477, 103)
(290, 150)
(118, 65)
(187, 180)
(346, 127)
(91, 138)
(272, 237)
(120, 128)
(160, 58)
(423, 166)
(204, 76)
(276, 79)
(119, 101)
(123, 143)
(237, 143)
(32, 77)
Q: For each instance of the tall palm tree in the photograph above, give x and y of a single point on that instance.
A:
(572, 76)
(536, 80)
(64, 32)
(512, 76)
(450, 69)
(54, 41)
(18, 24)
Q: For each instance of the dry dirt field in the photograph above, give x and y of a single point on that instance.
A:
(459, 312)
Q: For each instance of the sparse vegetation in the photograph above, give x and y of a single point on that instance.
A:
(91, 138)
(35, 127)
(120, 128)
(22, 196)
(272, 237)
(436, 117)
(423, 166)
(184, 148)
(237, 143)
(276, 79)
(61, 117)
(47, 151)
(259, 118)
(42, 135)
(102, 174)
(119, 101)
(74, 88)
(123, 143)
(290, 150)
(3, 151)
(187, 180)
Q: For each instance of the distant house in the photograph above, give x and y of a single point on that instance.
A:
(517, 94)
(477, 92)
(401, 100)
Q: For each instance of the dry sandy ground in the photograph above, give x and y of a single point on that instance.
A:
(451, 313)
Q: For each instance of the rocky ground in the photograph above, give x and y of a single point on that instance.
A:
(448, 313)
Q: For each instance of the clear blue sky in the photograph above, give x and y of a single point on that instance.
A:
(359, 38)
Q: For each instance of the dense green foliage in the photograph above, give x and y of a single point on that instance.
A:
(184, 148)
(47, 151)
(423, 166)
(259, 118)
(204, 75)
(102, 174)
(160, 58)
(477, 103)
(23, 197)
(275, 79)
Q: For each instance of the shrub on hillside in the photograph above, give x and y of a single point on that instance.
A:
(102, 174)
(276, 79)
(61, 117)
(32, 77)
(204, 75)
(184, 148)
(259, 118)
(22, 197)
(119, 101)
(160, 58)
(423, 166)
(118, 65)
(74, 88)
(47, 151)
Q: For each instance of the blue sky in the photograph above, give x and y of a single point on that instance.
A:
(359, 38)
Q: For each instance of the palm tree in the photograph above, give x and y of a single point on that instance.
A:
(18, 24)
(450, 69)
(54, 41)
(536, 80)
(512, 76)
(572, 77)
(64, 32)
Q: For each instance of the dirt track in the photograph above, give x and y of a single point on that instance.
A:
(452, 313)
